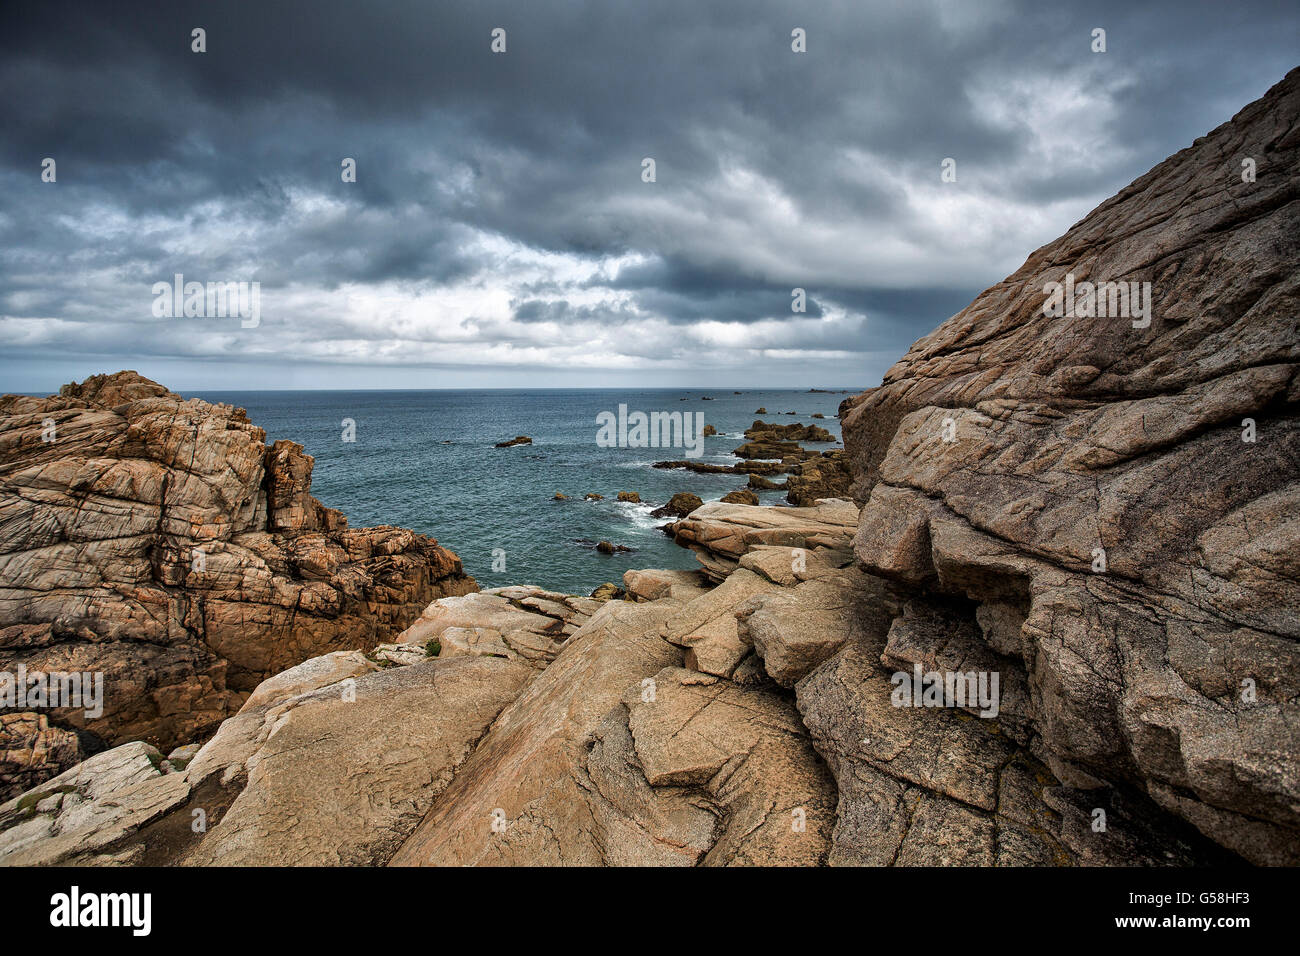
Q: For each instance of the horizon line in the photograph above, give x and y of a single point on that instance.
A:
(539, 388)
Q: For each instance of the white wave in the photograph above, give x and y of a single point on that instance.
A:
(638, 515)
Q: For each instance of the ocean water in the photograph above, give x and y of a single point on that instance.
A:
(425, 460)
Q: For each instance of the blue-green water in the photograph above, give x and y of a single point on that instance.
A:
(424, 460)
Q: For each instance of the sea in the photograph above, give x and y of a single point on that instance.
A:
(426, 460)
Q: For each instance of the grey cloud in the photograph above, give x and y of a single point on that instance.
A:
(512, 182)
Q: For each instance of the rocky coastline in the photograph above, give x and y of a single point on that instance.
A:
(1075, 507)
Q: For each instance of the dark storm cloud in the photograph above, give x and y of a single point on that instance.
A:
(499, 217)
(561, 311)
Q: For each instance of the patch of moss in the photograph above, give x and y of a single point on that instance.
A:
(27, 803)
(433, 648)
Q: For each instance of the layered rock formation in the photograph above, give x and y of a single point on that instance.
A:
(161, 542)
(1113, 508)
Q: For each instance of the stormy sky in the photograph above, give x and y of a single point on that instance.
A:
(499, 232)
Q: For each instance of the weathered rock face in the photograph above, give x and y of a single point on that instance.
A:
(351, 769)
(161, 542)
(85, 814)
(1113, 508)
(617, 755)
(31, 751)
(332, 762)
(939, 787)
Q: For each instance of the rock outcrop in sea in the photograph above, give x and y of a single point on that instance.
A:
(772, 449)
(1094, 522)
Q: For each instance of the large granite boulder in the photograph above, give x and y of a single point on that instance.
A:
(350, 768)
(720, 533)
(617, 755)
(520, 622)
(332, 762)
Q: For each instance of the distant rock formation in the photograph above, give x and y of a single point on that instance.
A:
(762, 431)
(740, 468)
(1114, 507)
(160, 541)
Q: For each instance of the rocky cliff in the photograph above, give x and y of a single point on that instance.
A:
(161, 542)
(1110, 503)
